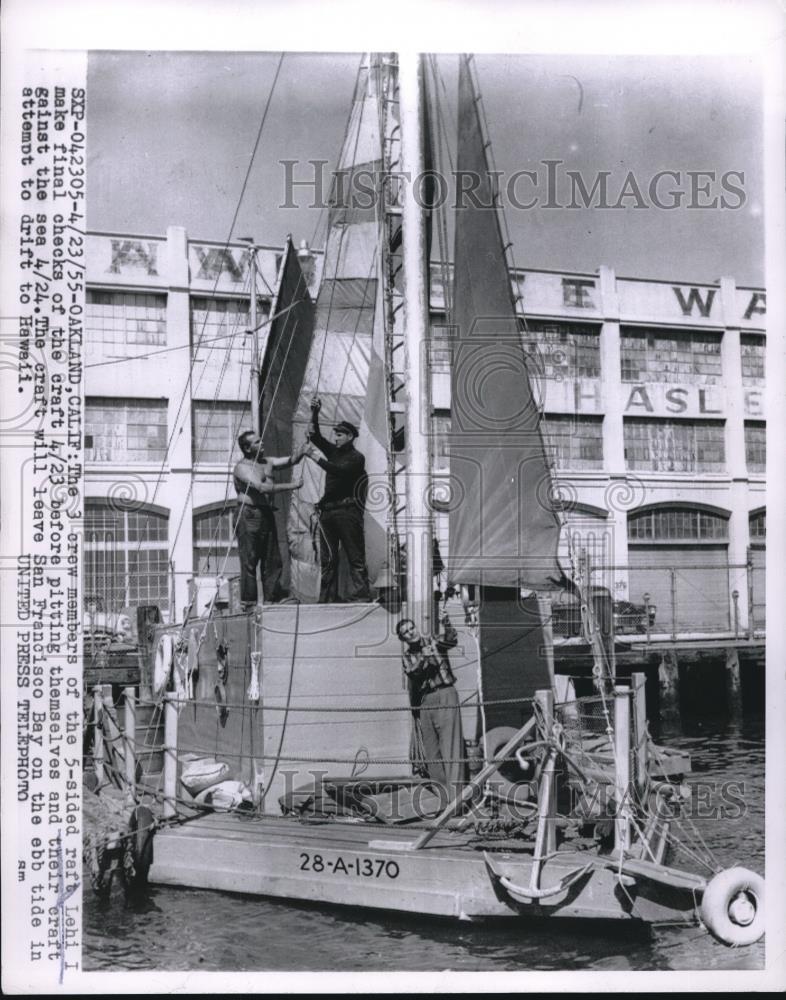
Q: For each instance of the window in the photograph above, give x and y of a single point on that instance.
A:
(563, 350)
(674, 445)
(215, 427)
(578, 292)
(124, 324)
(677, 525)
(440, 446)
(756, 446)
(221, 348)
(574, 442)
(674, 356)
(211, 318)
(440, 347)
(126, 559)
(757, 524)
(752, 349)
(125, 430)
(213, 540)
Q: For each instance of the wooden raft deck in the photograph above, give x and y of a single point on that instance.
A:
(333, 862)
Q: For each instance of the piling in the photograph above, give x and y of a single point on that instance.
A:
(98, 734)
(733, 684)
(622, 766)
(669, 686)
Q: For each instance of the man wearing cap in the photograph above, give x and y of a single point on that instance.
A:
(341, 509)
(255, 526)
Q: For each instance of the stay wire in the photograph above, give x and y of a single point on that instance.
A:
(186, 390)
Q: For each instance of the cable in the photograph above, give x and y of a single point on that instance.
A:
(286, 715)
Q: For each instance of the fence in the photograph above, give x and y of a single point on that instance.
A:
(678, 600)
(688, 599)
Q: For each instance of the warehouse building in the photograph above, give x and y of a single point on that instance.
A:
(652, 393)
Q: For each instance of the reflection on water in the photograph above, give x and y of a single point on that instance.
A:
(189, 929)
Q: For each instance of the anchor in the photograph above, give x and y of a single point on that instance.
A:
(544, 847)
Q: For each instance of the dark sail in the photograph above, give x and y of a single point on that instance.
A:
(503, 528)
(281, 377)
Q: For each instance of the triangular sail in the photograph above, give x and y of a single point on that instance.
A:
(345, 365)
(504, 530)
(281, 378)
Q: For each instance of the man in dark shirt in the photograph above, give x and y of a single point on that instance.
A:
(432, 687)
(341, 509)
(255, 526)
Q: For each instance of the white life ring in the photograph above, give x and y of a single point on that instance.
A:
(162, 667)
(732, 907)
(513, 791)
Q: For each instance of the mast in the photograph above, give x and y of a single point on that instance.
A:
(256, 422)
(417, 523)
(255, 415)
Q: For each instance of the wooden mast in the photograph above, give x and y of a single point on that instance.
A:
(417, 522)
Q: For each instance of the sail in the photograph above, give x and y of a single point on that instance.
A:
(504, 530)
(283, 367)
(345, 364)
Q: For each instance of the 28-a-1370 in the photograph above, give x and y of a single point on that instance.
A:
(364, 867)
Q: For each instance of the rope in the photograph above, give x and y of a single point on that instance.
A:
(186, 390)
(286, 714)
(354, 709)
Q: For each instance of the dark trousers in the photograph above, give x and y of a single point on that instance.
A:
(257, 544)
(443, 743)
(342, 527)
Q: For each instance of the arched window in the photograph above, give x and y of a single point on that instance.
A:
(678, 524)
(215, 547)
(126, 554)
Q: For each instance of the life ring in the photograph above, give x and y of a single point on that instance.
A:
(732, 907)
(503, 778)
(162, 667)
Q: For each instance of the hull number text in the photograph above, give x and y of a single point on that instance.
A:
(363, 867)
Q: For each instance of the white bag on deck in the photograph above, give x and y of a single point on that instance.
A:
(226, 795)
(202, 772)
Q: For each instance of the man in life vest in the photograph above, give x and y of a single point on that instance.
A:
(255, 526)
(341, 509)
(432, 687)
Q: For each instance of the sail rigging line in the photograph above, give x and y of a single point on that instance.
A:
(187, 388)
(440, 144)
(601, 658)
(230, 543)
(287, 313)
(269, 784)
(214, 404)
(389, 227)
(265, 380)
(256, 145)
(348, 122)
(206, 340)
(356, 102)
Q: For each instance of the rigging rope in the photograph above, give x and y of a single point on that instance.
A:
(186, 390)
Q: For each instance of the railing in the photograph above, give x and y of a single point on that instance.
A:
(673, 601)
(677, 601)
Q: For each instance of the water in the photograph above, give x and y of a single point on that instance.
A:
(188, 929)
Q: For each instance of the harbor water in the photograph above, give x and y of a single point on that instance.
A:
(172, 929)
